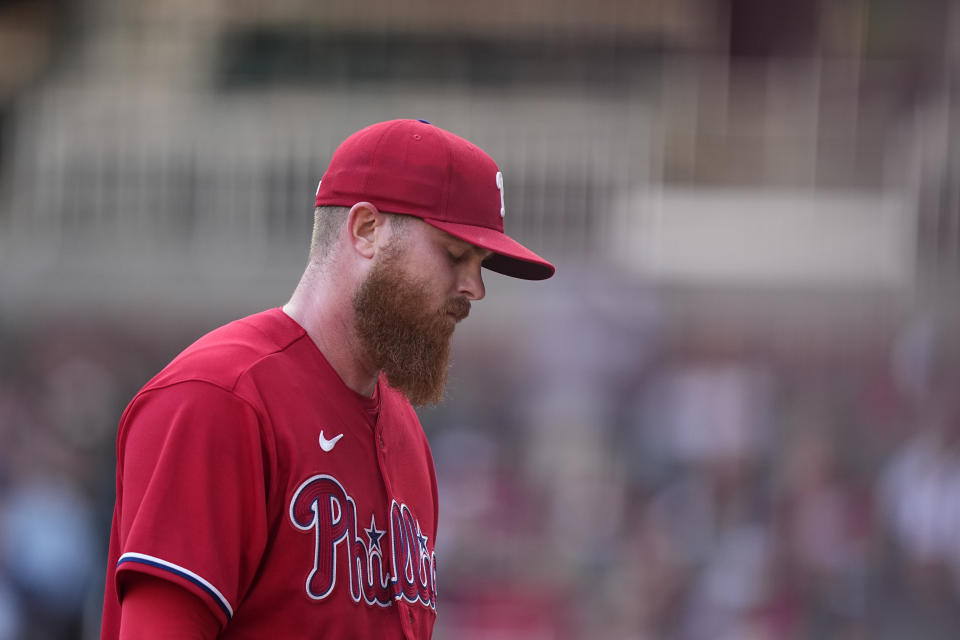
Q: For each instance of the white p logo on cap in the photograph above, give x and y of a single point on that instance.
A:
(503, 210)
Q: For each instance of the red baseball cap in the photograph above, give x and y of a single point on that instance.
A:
(412, 167)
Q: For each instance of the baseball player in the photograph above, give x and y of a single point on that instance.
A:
(273, 481)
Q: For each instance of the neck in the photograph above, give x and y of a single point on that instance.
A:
(326, 313)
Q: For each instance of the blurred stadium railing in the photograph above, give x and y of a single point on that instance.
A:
(196, 144)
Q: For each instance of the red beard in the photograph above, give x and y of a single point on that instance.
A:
(407, 340)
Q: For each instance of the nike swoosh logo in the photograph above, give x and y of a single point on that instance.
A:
(328, 445)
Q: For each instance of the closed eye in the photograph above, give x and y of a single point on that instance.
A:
(458, 253)
(457, 257)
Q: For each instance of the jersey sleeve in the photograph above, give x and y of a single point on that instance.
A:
(157, 609)
(193, 505)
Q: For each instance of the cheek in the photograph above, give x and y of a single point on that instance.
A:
(432, 286)
(430, 268)
(438, 277)
(437, 295)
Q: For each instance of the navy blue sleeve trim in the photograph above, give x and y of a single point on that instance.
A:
(186, 574)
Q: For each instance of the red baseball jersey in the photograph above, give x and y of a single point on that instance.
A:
(249, 474)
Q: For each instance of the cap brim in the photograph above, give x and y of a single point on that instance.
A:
(509, 256)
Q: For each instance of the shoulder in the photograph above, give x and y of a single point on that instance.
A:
(224, 355)
(188, 410)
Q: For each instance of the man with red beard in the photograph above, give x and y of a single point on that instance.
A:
(273, 480)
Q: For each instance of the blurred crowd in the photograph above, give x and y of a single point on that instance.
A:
(62, 386)
(626, 493)
(595, 482)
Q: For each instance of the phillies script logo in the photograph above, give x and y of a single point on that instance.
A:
(322, 505)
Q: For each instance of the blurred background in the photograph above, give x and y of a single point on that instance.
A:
(734, 411)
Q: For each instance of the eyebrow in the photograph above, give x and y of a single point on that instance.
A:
(458, 242)
(484, 253)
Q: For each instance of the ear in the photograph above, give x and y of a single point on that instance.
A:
(365, 224)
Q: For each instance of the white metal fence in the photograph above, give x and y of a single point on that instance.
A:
(209, 175)
(123, 178)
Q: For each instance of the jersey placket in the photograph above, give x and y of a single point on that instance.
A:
(403, 609)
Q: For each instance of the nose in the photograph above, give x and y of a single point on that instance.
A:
(471, 283)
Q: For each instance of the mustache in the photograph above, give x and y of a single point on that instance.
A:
(459, 307)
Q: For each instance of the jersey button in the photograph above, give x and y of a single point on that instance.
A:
(382, 446)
